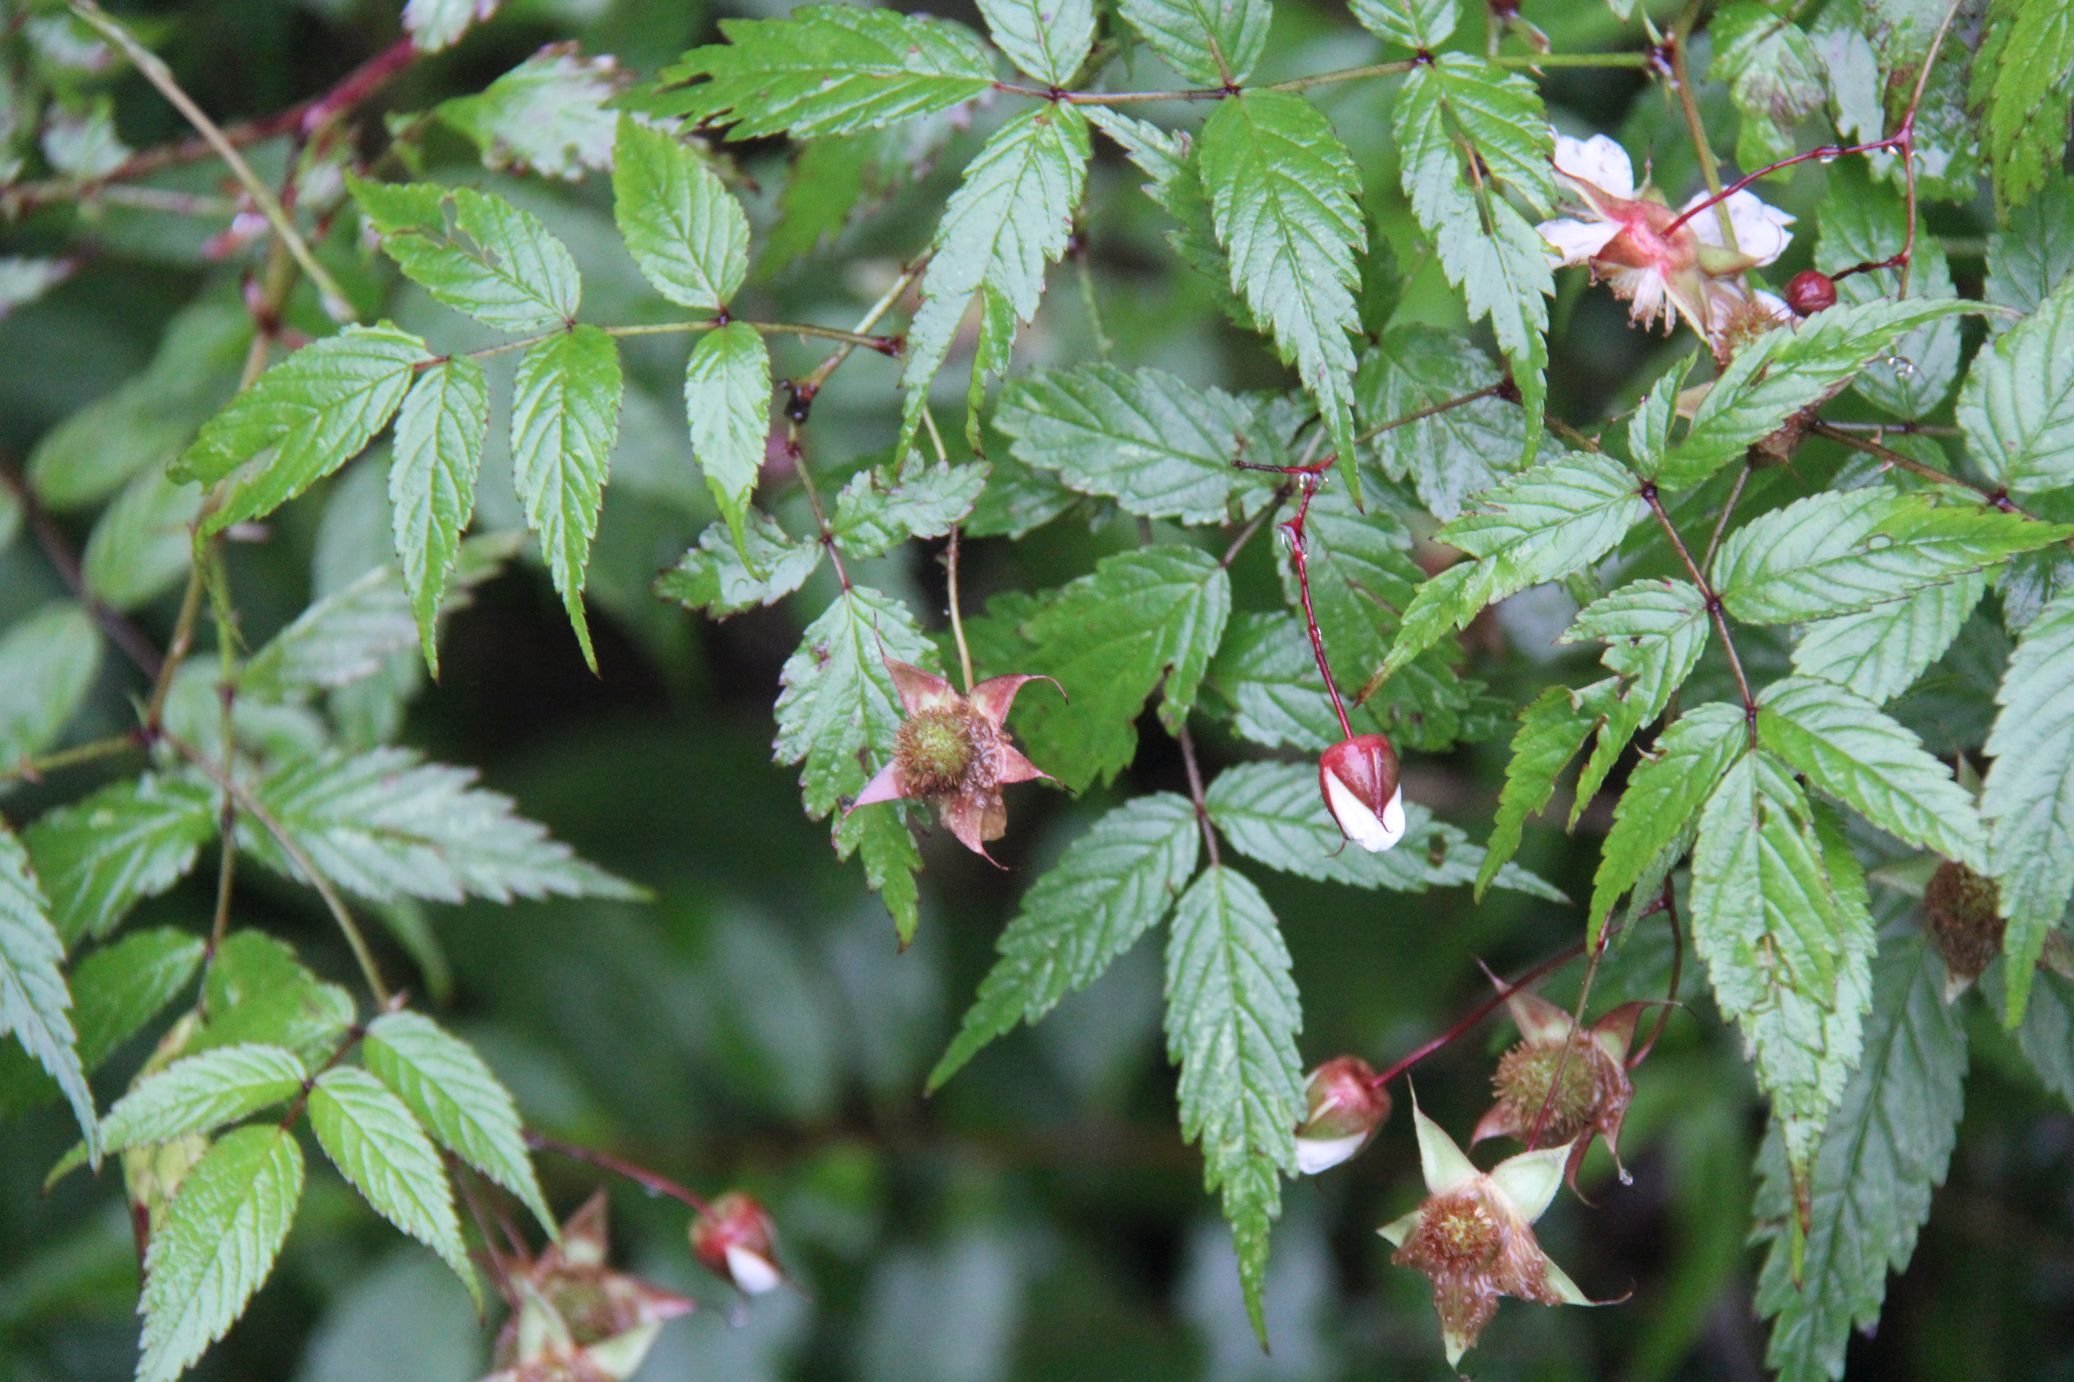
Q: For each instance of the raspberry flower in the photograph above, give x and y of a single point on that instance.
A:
(1359, 779)
(1343, 1108)
(953, 752)
(573, 1316)
(1472, 1236)
(1592, 1088)
(1658, 260)
(734, 1243)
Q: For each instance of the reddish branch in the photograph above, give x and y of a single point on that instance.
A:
(654, 1182)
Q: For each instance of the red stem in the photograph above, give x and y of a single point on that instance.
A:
(654, 1182)
(1478, 1014)
(1668, 904)
(1295, 528)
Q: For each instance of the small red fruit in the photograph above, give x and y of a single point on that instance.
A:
(1810, 292)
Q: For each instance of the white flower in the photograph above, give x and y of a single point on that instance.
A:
(1359, 779)
(1761, 233)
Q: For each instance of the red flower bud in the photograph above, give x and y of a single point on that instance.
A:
(1810, 292)
(1359, 779)
(1343, 1108)
(733, 1241)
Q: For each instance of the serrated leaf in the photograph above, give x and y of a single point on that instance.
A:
(2028, 801)
(838, 699)
(387, 825)
(1879, 652)
(143, 544)
(1141, 620)
(1274, 813)
(826, 69)
(1788, 958)
(47, 665)
(1788, 369)
(2017, 406)
(440, 431)
(35, 1006)
(1774, 76)
(1048, 39)
(116, 991)
(886, 847)
(884, 506)
(379, 1148)
(446, 1086)
(1110, 887)
(436, 24)
(1232, 1022)
(1421, 25)
(1453, 454)
(1265, 669)
(679, 222)
(727, 400)
(1009, 218)
(2021, 78)
(201, 1093)
(2047, 1034)
(714, 577)
(1552, 728)
(1885, 1151)
(1843, 551)
(1176, 185)
(1285, 201)
(548, 114)
(564, 423)
(2031, 253)
(301, 420)
(495, 262)
(222, 1231)
(98, 857)
(1663, 796)
(1159, 447)
(256, 992)
(1209, 42)
(1557, 517)
(1863, 223)
(1851, 749)
(1654, 631)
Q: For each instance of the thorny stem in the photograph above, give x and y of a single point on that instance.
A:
(1195, 790)
(654, 1182)
(957, 615)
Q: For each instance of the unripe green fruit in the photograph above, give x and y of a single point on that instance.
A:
(934, 749)
(1525, 1073)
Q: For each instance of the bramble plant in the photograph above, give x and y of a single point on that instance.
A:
(1392, 352)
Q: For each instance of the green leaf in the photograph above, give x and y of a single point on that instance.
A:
(727, 401)
(2031, 253)
(1009, 218)
(437, 24)
(1654, 632)
(222, 1231)
(1558, 517)
(1843, 551)
(386, 825)
(1664, 793)
(1864, 222)
(1443, 604)
(1552, 728)
(715, 577)
(452, 1093)
(1421, 25)
(2047, 1034)
(440, 431)
(377, 1146)
(1209, 42)
(1453, 454)
(301, 420)
(202, 1093)
(1774, 77)
(564, 423)
(1265, 669)
(884, 506)
(1885, 1151)
(143, 544)
(1110, 887)
(1272, 812)
(548, 114)
(1879, 652)
(1786, 370)
(826, 69)
(1176, 184)
(116, 991)
(258, 993)
(132, 840)
(886, 848)
(1285, 201)
(1232, 1022)
(2021, 77)
(2029, 798)
(687, 233)
(1849, 748)
(1109, 638)
(35, 1007)
(1486, 248)
(1789, 958)
(838, 700)
(1048, 39)
(495, 262)
(47, 665)
(1159, 447)
(2017, 407)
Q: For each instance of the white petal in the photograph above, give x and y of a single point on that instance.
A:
(752, 1271)
(1646, 290)
(1598, 161)
(1393, 816)
(1357, 822)
(1315, 1154)
(1774, 304)
(1760, 229)
(1576, 241)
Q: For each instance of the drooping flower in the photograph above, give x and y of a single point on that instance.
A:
(1359, 779)
(1473, 1235)
(734, 1242)
(1588, 1073)
(1653, 258)
(1343, 1107)
(953, 752)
